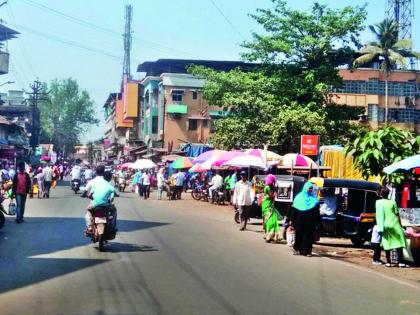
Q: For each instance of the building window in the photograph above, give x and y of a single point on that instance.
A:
(205, 123)
(194, 95)
(192, 124)
(155, 124)
(177, 95)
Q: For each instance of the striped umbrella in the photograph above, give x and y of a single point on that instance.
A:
(197, 168)
(294, 159)
(181, 162)
(207, 155)
(227, 157)
(271, 156)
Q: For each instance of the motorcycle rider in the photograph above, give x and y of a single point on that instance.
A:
(216, 183)
(102, 192)
(76, 174)
(88, 174)
(122, 176)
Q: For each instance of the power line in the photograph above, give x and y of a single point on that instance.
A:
(152, 45)
(20, 43)
(227, 20)
(67, 42)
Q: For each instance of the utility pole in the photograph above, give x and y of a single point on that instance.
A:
(35, 120)
(128, 34)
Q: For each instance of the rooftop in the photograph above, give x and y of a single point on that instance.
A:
(182, 80)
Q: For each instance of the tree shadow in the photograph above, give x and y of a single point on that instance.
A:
(19, 243)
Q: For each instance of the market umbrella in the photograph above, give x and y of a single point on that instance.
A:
(271, 156)
(126, 166)
(227, 157)
(144, 164)
(246, 161)
(207, 155)
(294, 159)
(170, 157)
(181, 162)
(197, 168)
(406, 164)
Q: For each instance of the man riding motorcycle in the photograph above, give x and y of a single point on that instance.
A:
(102, 193)
(76, 174)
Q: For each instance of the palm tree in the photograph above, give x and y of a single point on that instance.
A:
(391, 51)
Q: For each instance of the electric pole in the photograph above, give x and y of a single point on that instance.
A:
(35, 120)
(127, 41)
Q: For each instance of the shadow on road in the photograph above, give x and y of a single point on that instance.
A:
(48, 235)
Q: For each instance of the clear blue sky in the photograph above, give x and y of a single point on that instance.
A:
(162, 29)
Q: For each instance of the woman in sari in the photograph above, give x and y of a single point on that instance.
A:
(269, 213)
(305, 218)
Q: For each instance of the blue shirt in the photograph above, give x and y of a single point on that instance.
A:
(180, 179)
(102, 191)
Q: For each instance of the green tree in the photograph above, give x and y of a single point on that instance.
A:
(374, 150)
(288, 94)
(387, 47)
(66, 114)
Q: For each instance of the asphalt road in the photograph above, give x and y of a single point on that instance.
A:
(179, 257)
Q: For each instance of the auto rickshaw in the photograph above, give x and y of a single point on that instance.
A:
(355, 202)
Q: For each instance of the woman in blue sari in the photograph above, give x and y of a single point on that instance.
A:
(305, 218)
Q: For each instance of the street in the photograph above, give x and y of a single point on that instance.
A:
(179, 257)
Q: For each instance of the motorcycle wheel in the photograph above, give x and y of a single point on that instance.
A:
(101, 242)
(196, 195)
(2, 219)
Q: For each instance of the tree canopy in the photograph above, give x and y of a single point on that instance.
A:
(287, 95)
(66, 113)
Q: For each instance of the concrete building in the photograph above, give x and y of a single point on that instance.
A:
(14, 107)
(365, 88)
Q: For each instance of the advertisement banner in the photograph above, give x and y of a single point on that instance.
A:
(309, 145)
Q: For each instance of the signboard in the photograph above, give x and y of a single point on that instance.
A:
(410, 216)
(284, 191)
(309, 144)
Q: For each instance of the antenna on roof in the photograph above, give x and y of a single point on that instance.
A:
(128, 34)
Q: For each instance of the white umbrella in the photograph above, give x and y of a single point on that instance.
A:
(406, 164)
(246, 161)
(144, 164)
(207, 165)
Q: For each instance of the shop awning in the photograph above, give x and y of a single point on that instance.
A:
(218, 113)
(177, 109)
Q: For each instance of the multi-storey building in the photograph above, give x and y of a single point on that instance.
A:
(365, 88)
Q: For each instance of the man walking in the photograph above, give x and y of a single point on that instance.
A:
(179, 184)
(242, 199)
(21, 188)
(48, 176)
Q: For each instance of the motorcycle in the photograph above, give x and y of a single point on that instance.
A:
(218, 196)
(197, 191)
(75, 185)
(102, 232)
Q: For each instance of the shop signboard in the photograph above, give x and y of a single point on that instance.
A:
(309, 145)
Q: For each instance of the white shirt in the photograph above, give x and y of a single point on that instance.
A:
(88, 174)
(76, 172)
(146, 179)
(160, 179)
(48, 173)
(217, 181)
(242, 195)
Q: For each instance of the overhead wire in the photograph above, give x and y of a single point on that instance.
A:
(23, 51)
(136, 40)
(227, 19)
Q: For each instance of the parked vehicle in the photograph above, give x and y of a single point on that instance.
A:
(219, 196)
(355, 213)
(200, 192)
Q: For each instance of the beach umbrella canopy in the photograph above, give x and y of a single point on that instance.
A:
(294, 159)
(271, 156)
(405, 165)
(227, 157)
(246, 161)
(181, 162)
(207, 155)
(142, 164)
(197, 168)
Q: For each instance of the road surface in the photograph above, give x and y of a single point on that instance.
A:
(179, 257)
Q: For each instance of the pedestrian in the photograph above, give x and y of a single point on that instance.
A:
(179, 184)
(389, 226)
(375, 244)
(40, 181)
(160, 184)
(146, 185)
(140, 183)
(61, 169)
(242, 200)
(20, 190)
(48, 176)
(269, 213)
(305, 219)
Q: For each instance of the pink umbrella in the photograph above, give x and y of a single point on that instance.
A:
(227, 157)
(271, 156)
(207, 155)
(294, 159)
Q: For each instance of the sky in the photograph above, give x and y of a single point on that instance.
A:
(82, 39)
